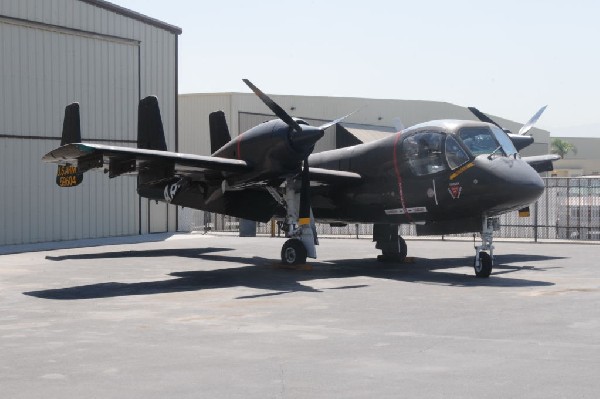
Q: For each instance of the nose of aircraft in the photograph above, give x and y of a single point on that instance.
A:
(511, 183)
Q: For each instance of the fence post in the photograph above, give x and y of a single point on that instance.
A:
(535, 221)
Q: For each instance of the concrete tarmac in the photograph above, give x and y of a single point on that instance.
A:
(193, 316)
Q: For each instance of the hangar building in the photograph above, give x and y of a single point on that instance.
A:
(373, 120)
(105, 57)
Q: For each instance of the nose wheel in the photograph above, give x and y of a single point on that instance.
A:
(483, 265)
(484, 253)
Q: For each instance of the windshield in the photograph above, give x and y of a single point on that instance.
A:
(455, 155)
(485, 140)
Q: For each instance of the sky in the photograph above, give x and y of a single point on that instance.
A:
(508, 58)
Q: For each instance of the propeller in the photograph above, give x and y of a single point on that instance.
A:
(484, 118)
(303, 139)
(524, 129)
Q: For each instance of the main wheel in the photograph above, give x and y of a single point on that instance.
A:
(395, 256)
(293, 252)
(485, 265)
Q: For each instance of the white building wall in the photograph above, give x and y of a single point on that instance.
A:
(55, 52)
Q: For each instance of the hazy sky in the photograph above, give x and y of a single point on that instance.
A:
(507, 57)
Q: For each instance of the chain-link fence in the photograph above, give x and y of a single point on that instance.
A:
(569, 209)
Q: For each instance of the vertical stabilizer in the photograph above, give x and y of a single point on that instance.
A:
(219, 132)
(151, 135)
(71, 132)
(69, 175)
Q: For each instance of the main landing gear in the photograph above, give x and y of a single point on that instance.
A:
(393, 247)
(301, 231)
(484, 253)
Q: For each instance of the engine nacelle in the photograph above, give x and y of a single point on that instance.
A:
(273, 149)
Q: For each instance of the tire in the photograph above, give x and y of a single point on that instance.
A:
(485, 265)
(293, 252)
(396, 256)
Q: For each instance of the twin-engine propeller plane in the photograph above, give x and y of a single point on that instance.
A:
(445, 176)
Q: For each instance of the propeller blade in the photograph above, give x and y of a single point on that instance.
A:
(398, 125)
(277, 110)
(484, 118)
(527, 127)
(304, 211)
(338, 120)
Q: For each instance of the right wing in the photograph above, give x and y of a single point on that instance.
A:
(541, 163)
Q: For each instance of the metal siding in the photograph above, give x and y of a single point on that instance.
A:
(46, 70)
(194, 135)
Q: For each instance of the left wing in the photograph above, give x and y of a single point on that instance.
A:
(122, 160)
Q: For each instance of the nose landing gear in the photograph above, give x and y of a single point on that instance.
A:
(484, 253)
(301, 231)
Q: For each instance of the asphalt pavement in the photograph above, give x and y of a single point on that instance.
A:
(200, 316)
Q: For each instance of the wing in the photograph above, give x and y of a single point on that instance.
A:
(127, 160)
(541, 163)
(333, 177)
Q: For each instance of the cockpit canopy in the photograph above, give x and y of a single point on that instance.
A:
(430, 151)
(486, 140)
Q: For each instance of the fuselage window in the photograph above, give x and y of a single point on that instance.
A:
(423, 152)
(455, 155)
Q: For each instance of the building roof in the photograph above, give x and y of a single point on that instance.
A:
(134, 15)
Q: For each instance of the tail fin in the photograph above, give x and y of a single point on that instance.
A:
(69, 175)
(219, 132)
(151, 135)
(71, 132)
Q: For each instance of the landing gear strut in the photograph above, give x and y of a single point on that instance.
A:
(484, 253)
(393, 247)
(301, 233)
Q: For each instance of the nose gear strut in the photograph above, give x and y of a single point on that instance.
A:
(484, 253)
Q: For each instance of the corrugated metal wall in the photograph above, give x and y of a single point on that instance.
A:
(55, 52)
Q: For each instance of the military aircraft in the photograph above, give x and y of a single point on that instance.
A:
(445, 176)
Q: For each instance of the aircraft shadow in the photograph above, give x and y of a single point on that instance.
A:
(151, 253)
(264, 274)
